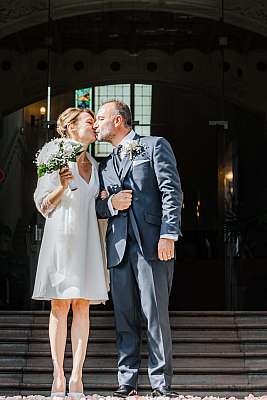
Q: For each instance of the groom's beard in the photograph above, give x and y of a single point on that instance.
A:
(105, 137)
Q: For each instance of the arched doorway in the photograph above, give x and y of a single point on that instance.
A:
(186, 71)
(182, 116)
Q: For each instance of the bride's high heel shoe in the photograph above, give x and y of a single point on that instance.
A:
(62, 395)
(75, 395)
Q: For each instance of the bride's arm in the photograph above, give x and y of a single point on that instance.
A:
(47, 200)
(51, 201)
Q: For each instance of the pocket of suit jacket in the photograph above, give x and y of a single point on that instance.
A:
(139, 162)
(141, 170)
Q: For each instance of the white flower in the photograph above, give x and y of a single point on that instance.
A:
(67, 149)
(45, 153)
(132, 148)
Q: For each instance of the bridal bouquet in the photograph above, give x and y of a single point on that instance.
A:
(56, 154)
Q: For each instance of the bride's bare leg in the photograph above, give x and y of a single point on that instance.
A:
(57, 336)
(79, 339)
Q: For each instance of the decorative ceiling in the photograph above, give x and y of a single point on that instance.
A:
(133, 32)
(172, 41)
(16, 15)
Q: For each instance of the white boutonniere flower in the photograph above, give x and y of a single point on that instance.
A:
(132, 149)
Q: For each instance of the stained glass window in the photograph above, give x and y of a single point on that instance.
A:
(83, 98)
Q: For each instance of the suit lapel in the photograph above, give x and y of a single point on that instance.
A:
(125, 166)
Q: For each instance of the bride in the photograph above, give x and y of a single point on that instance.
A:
(70, 270)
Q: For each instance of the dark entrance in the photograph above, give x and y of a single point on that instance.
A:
(221, 258)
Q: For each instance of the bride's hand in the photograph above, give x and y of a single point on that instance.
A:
(65, 177)
(103, 195)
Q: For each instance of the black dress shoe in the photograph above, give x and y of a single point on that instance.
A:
(125, 391)
(164, 391)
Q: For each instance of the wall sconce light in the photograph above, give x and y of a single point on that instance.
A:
(39, 121)
(198, 210)
(42, 111)
(228, 182)
(229, 176)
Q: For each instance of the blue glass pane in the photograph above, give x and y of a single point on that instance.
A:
(83, 98)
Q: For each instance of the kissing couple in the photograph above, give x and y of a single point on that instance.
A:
(137, 189)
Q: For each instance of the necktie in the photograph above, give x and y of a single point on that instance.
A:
(117, 158)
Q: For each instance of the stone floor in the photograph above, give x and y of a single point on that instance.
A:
(99, 397)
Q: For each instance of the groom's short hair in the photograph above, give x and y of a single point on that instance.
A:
(122, 109)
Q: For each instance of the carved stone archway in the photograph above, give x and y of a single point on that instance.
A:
(16, 15)
(172, 50)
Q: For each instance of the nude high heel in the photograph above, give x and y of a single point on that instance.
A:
(62, 395)
(75, 395)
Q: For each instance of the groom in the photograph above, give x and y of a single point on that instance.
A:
(144, 211)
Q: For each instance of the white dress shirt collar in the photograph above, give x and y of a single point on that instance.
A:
(128, 138)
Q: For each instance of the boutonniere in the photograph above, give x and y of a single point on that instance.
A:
(132, 149)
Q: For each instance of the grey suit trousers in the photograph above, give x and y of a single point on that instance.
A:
(140, 291)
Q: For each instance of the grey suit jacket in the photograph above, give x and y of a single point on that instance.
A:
(157, 198)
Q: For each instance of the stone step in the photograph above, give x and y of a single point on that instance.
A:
(92, 361)
(181, 347)
(111, 326)
(176, 333)
(109, 323)
(240, 335)
(214, 353)
(182, 376)
(97, 359)
(108, 339)
(31, 329)
(222, 390)
(96, 344)
(190, 317)
(110, 333)
(212, 359)
(102, 310)
(105, 324)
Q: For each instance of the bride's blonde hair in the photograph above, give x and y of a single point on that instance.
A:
(70, 116)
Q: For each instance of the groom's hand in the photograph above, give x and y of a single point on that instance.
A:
(122, 200)
(165, 249)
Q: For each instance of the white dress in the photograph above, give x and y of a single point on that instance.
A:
(71, 261)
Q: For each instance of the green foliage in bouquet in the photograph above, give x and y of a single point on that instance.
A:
(56, 154)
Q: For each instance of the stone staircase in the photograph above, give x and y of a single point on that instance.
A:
(215, 353)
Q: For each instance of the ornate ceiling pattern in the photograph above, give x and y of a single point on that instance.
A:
(167, 41)
(16, 15)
